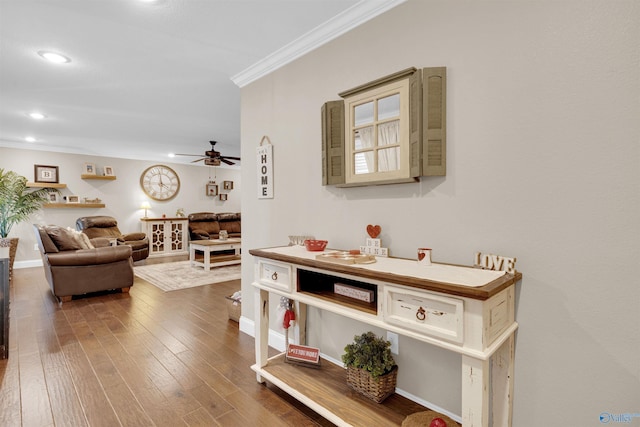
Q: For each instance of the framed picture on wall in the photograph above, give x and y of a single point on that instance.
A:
(227, 185)
(212, 189)
(89, 169)
(45, 173)
(223, 197)
(108, 171)
(54, 197)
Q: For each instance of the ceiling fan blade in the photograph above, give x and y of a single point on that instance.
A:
(192, 155)
(230, 157)
(198, 160)
(226, 161)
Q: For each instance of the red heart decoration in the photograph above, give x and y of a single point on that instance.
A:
(373, 230)
(421, 256)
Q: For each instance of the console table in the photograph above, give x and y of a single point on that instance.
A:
(465, 310)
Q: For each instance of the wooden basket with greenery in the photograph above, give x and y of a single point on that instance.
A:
(371, 369)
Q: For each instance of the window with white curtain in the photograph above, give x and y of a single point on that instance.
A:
(375, 133)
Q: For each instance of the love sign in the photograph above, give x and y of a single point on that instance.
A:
(495, 262)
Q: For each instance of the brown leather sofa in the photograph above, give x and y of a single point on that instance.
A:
(207, 225)
(77, 266)
(107, 226)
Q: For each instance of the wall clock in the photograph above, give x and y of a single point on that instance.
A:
(160, 182)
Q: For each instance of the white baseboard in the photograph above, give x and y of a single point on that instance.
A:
(27, 264)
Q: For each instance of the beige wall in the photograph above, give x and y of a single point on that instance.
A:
(122, 196)
(543, 165)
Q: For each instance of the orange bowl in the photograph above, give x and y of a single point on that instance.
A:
(315, 245)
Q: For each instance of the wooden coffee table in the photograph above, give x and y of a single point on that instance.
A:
(211, 246)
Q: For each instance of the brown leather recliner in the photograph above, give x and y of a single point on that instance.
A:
(107, 226)
(207, 225)
(74, 266)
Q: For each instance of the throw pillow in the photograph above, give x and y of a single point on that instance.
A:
(63, 240)
(81, 238)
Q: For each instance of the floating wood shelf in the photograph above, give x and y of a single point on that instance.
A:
(100, 177)
(75, 205)
(45, 185)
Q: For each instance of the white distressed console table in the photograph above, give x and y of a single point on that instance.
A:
(461, 309)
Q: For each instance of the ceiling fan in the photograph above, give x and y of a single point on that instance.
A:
(212, 157)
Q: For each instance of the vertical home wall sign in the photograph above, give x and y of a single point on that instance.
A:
(265, 168)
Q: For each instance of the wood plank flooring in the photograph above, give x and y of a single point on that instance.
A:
(146, 358)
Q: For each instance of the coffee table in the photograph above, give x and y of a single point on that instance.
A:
(209, 246)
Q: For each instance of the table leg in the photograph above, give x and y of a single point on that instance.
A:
(207, 258)
(192, 256)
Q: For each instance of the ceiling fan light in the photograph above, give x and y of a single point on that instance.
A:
(54, 57)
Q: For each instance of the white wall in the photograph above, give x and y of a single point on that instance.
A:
(122, 196)
(543, 165)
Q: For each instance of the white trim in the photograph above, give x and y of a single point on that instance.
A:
(351, 18)
(28, 264)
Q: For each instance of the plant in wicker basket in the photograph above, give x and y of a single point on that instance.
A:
(371, 369)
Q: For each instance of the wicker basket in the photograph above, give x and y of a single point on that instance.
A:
(375, 389)
(421, 419)
(234, 307)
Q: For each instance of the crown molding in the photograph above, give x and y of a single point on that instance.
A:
(351, 18)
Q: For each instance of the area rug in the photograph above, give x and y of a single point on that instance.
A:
(180, 275)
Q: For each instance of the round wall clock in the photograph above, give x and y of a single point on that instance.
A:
(160, 182)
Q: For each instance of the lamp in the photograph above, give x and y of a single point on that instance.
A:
(145, 206)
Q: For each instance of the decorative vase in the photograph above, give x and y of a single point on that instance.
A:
(376, 389)
(12, 244)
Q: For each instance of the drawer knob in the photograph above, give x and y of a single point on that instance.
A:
(274, 276)
(421, 314)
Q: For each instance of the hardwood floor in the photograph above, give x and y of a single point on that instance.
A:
(146, 358)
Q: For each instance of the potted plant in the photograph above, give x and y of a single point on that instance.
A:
(17, 203)
(371, 369)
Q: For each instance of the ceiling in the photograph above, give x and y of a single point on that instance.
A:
(149, 78)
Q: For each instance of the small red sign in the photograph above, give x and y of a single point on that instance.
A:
(303, 353)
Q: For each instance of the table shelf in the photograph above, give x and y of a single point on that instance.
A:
(325, 390)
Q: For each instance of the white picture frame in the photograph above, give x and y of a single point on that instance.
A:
(73, 199)
(89, 168)
(108, 171)
(54, 197)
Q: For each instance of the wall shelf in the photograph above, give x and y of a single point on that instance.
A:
(45, 185)
(74, 205)
(98, 177)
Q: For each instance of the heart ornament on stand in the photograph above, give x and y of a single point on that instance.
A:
(373, 230)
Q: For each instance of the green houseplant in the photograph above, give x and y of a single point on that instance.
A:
(17, 203)
(371, 369)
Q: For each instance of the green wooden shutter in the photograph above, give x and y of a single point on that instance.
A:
(333, 150)
(434, 103)
(415, 124)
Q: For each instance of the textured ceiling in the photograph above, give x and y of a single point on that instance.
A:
(146, 79)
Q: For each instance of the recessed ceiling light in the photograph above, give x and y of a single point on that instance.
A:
(172, 155)
(30, 139)
(37, 116)
(54, 57)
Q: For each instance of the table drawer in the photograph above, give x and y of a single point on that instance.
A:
(424, 312)
(275, 275)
